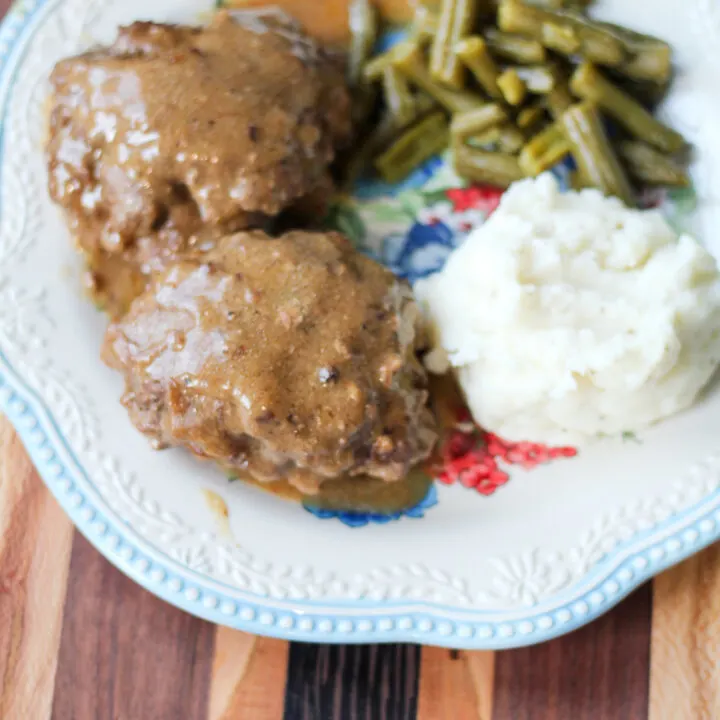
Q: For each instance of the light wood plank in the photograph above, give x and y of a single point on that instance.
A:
(456, 685)
(35, 543)
(248, 677)
(685, 646)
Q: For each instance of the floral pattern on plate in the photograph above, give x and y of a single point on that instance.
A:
(412, 228)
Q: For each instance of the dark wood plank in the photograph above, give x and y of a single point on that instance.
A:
(4, 5)
(352, 682)
(126, 654)
(599, 672)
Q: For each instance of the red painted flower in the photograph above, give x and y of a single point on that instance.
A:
(470, 456)
(475, 197)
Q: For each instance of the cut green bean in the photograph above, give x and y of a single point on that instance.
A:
(363, 22)
(425, 24)
(418, 143)
(455, 22)
(515, 48)
(475, 55)
(559, 98)
(510, 139)
(588, 83)
(487, 140)
(370, 145)
(648, 58)
(476, 122)
(529, 117)
(648, 165)
(398, 97)
(512, 87)
(375, 68)
(408, 60)
(561, 38)
(566, 31)
(481, 166)
(544, 151)
(593, 153)
(538, 79)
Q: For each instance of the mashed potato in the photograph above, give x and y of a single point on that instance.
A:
(568, 315)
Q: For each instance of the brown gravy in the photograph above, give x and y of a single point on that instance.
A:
(371, 494)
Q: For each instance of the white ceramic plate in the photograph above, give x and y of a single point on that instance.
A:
(547, 552)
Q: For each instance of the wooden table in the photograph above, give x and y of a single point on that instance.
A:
(80, 641)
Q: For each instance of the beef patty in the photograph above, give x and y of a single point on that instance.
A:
(290, 357)
(176, 135)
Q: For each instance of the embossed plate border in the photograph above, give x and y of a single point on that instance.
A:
(620, 570)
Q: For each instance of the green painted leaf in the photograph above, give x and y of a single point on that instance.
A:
(386, 212)
(344, 218)
(684, 200)
(412, 201)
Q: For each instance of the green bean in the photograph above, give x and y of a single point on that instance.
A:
(379, 137)
(529, 117)
(409, 61)
(512, 87)
(481, 166)
(648, 58)
(568, 32)
(486, 140)
(398, 98)
(510, 139)
(375, 68)
(476, 122)
(559, 98)
(474, 53)
(424, 25)
(593, 153)
(515, 48)
(363, 22)
(560, 38)
(646, 164)
(456, 21)
(589, 84)
(419, 142)
(539, 79)
(544, 151)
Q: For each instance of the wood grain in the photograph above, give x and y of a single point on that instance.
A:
(35, 542)
(125, 653)
(352, 682)
(248, 677)
(599, 672)
(455, 685)
(685, 648)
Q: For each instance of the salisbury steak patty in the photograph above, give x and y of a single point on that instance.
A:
(176, 135)
(288, 358)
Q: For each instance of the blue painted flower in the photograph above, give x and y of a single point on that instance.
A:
(356, 519)
(422, 250)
